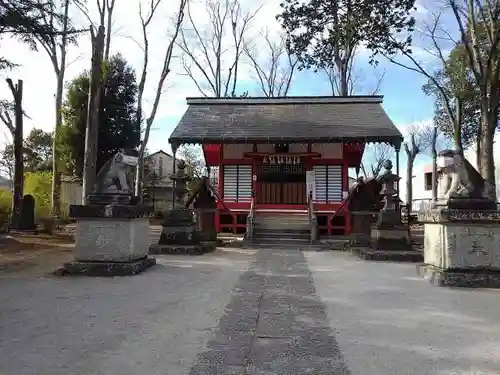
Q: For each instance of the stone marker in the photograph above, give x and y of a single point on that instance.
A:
(179, 234)
(112, 230)
(462, 230)
(26, 220)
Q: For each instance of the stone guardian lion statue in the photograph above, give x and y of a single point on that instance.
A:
(459, 179)
(117, 175)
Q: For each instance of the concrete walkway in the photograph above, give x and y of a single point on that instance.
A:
(245, 312)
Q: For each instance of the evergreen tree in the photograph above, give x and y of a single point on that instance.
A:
(27, 21)
(118, 127)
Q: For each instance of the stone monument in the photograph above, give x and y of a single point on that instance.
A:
(462, 229)
(26, 220)
(112, 229)
(179, 234)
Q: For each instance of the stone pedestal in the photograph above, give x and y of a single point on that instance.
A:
(391, 238)
(361, 227)
(111, 240)
(461, 248)
(205, 220)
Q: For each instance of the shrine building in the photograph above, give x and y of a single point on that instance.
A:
(272, 154)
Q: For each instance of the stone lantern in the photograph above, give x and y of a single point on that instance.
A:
(179, 234)
(389, 233)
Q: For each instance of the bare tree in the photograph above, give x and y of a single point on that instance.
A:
(275, 72)
(56, 47)
(101, 41)
(346, 79)
(205, 49)
(434, 162)
(479, 35)
(92, 125)
(193, 157)
(195, 164)
(420, 139)
(479, 25)
(110, 6)
(437, 39)
(146, 18)
(374, 157)
(16, 129)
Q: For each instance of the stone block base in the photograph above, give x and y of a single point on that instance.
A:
(111, 239)
(410, 256)
(106, 269)
(198, 249)
(391, 239)
(359, 239)
(460, 278)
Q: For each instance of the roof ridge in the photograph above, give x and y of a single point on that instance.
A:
(288, 100)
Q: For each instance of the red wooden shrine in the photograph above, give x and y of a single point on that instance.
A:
(271, 153)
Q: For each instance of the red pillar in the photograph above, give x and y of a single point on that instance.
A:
(221, 186)
(345, 188)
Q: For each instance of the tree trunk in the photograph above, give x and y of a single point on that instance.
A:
(434, 164)
(487, 161)
(409, 185)
(17, 197)
(139, 172)
(478, 151)
(56, 173)
(344, 84)
(92, 129)
(409, 173)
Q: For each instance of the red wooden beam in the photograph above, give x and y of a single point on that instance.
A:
(284, 155)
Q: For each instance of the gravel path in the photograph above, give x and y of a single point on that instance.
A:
(274, 324)
(152, 323)
(389, 322)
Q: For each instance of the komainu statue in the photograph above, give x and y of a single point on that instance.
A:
(365, 195)
(117, 175)
(461, 182)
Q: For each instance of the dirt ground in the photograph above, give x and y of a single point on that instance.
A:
(20, 253)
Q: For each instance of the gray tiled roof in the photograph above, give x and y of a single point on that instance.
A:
(292, 119)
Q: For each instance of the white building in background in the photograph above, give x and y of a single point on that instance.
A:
(421, 187)
(158, 185)
(161, 164)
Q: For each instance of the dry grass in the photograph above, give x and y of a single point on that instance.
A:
(34, 253)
